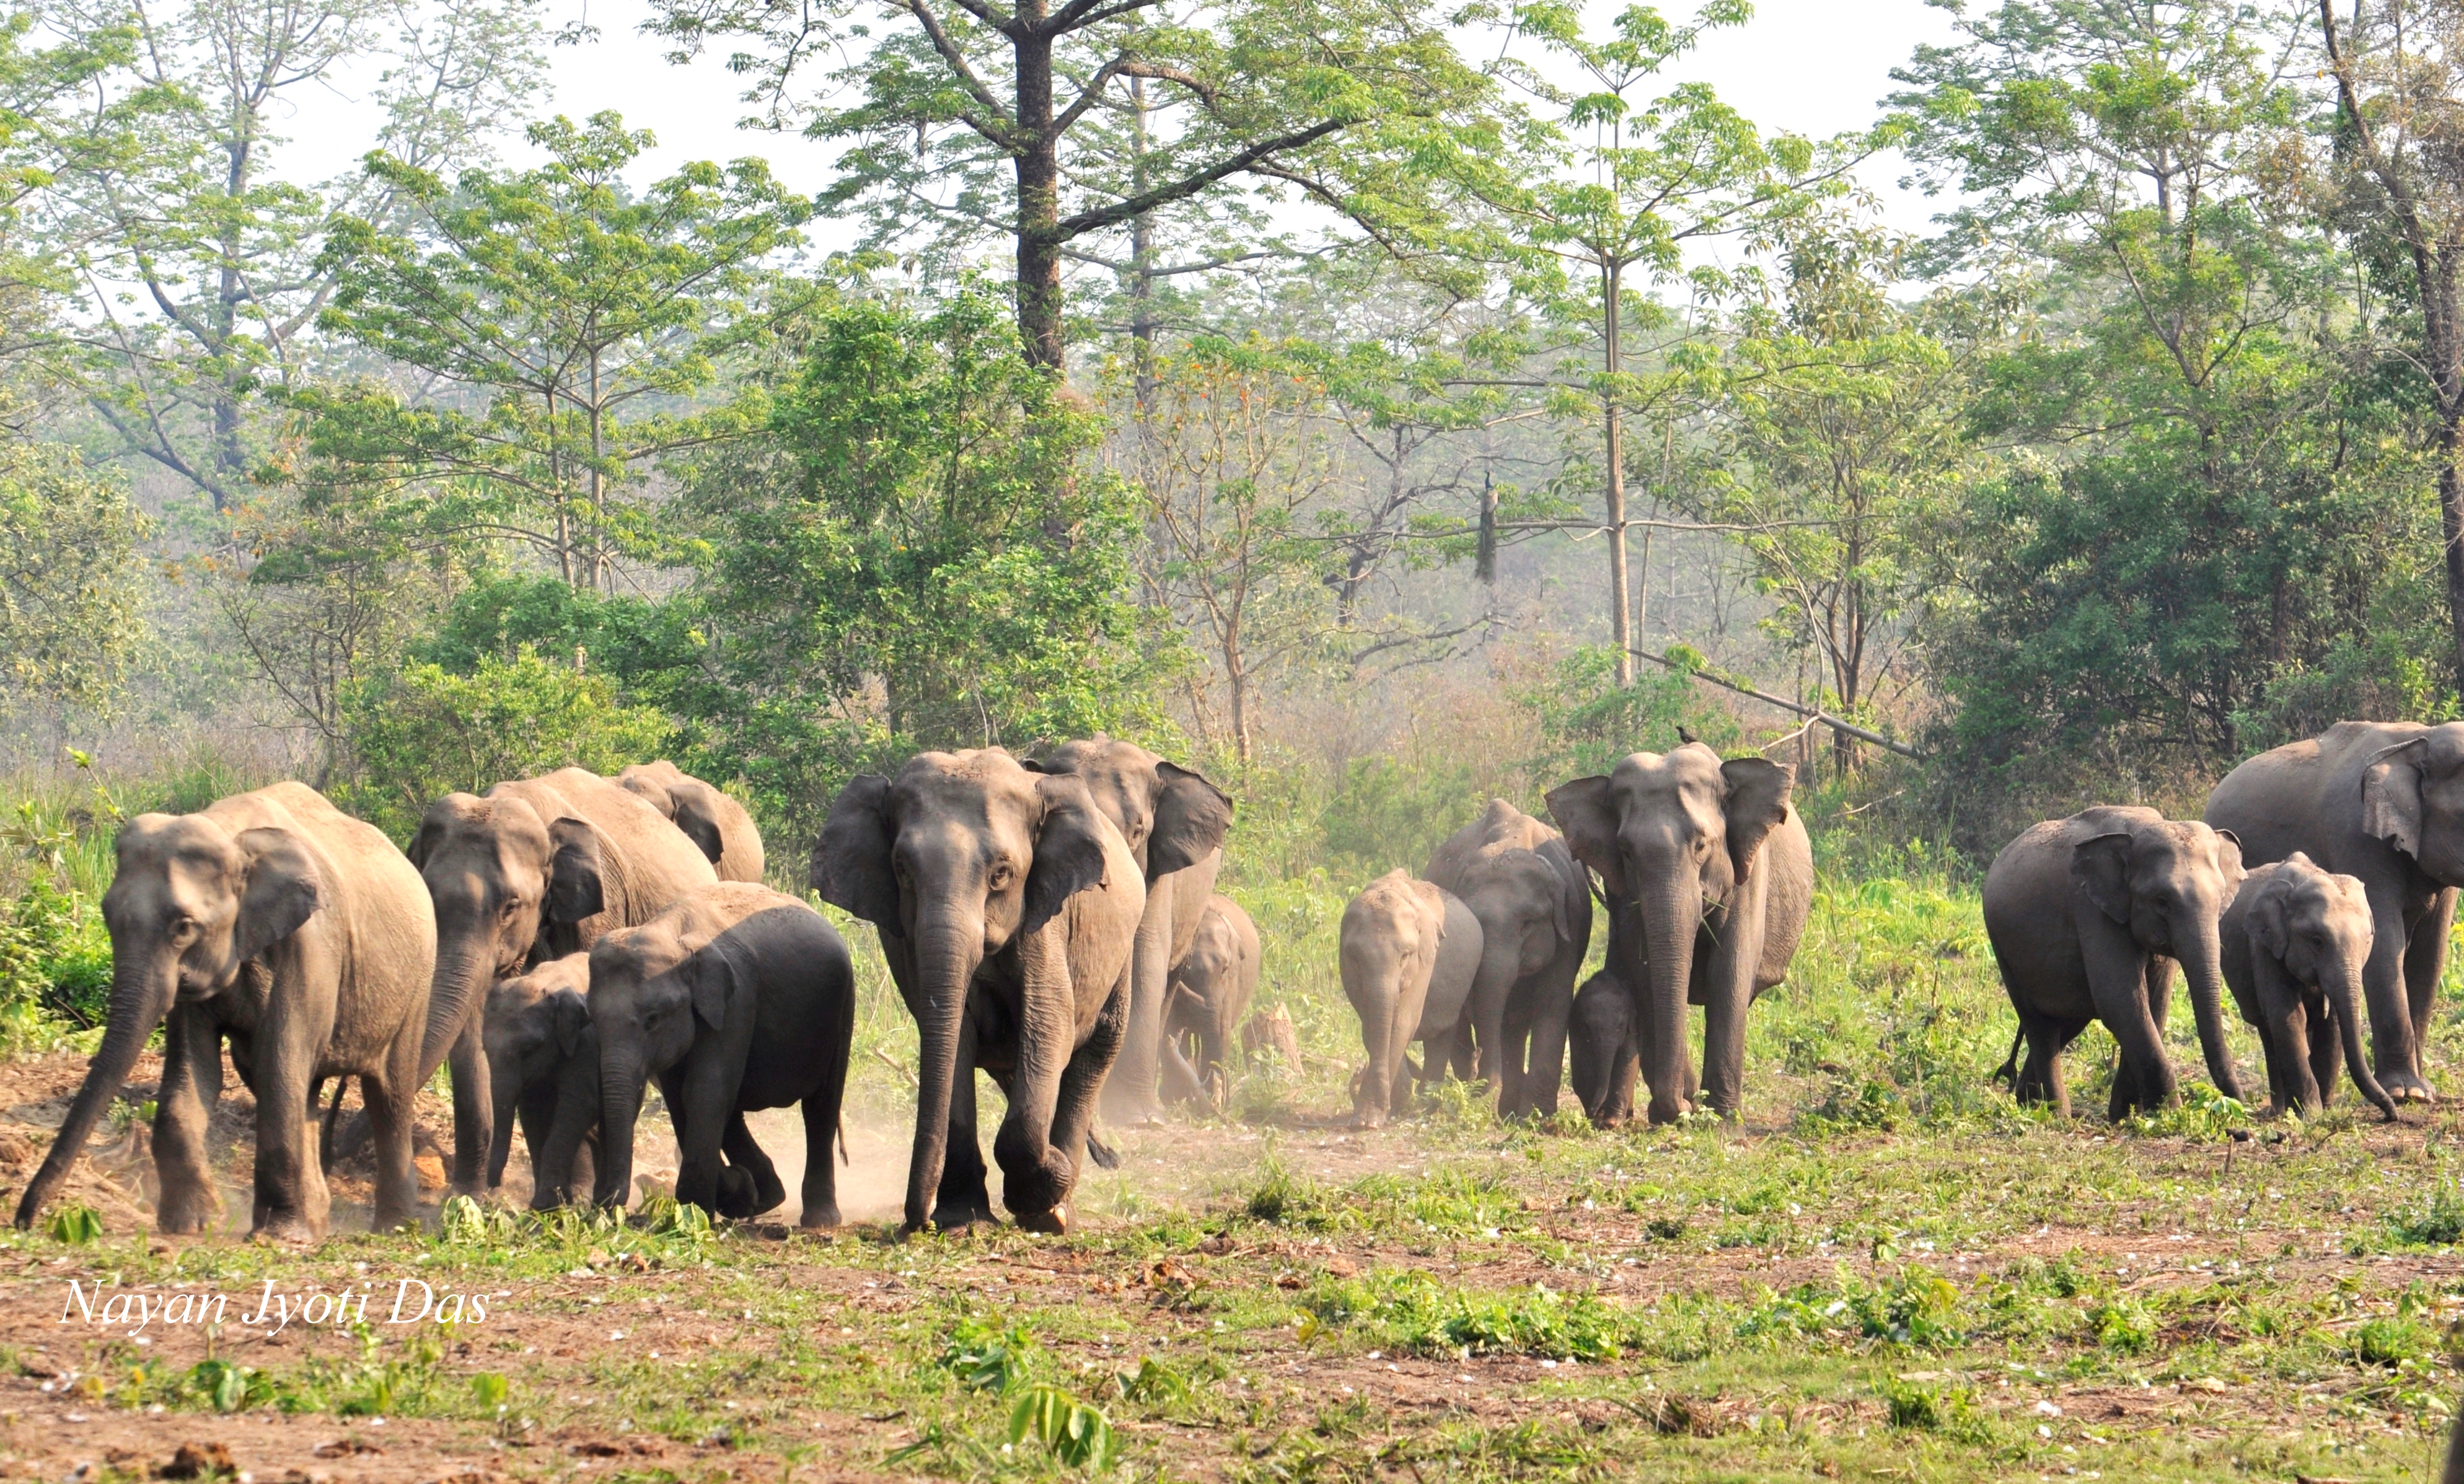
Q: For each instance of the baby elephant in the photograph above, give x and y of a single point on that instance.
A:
(1210, 991)
(2295, 941)
(1601, 1053)
(2087, 917)
(544, 1065)
(1410, 951)
(737, 998)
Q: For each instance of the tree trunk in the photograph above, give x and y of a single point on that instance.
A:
(1620, 606)
(2450, 520)
(1039, 203)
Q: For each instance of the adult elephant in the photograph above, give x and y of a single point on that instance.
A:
(2295, 940)
(737, 998)
(1409, 952)
(1173, 821)
(708, 816)
(301, 934)
(2087, 917)
(1007, 905)
(1534, 908)
(1719, 872)
(2382, 802)
(1210, 990)
(533, 870)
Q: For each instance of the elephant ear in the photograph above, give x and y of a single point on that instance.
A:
(1756, 804)
(572, 1014)
(284, 890)
(1068, 850)
(850, 867)
(2228, 855)
(1573, 885)
(691, 808)
(713, 980)
(2268, 927)
(2100, 867)
(1587, 815)
(1191, 817)
(576, 885)
(2391, 797)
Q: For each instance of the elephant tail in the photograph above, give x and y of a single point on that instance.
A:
(843, 1159)
(2008, 1073)
(333, 1119)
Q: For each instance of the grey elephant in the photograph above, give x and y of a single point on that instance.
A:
(272, 920)
(1715, 866)
(2294, 943)
(533, 870)
(543, 1068)
(737, 998)
(1601, 1059)
(2087, 917)
(2382, 802)
(1209, 992)
(1409, 952)
(1008, 906)
(1534, 908)
(711, 819)
(1173, 821)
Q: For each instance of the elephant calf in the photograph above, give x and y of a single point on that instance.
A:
(1601, 1058)
(544, 1065)
(2087, 916)
(2295, 942)
(737, 998)
(1410, 952)
(1210, 991)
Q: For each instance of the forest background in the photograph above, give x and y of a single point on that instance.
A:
(1381, 406)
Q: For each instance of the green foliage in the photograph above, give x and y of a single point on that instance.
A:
(425, 732)
(1411, 1312)
(75, 1223)
(2436, 1220)
(228, 1386)
(1586, 723)
(637, 641)
(982, 1355)
(1925, 1407)
(55, 961)
(1069, 1429)
(2121, 1325)
(915, 555)
(69, 593)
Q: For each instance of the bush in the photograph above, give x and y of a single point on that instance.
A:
(425, 732)
(54, 965)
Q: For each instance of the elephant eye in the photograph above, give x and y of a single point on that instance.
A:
(1000, 879)
(184, 931)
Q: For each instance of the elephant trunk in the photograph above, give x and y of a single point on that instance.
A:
(141, 993)
(948, 951)
(2337, 979)
(621, 1076)
(505, 1086)
(2202, 964)
(1037, 1178)
(1670, 917)
(466, 969)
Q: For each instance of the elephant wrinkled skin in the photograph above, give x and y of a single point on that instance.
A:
(737, 998)
(1714, 864)
(1007, 905)
(2087, 916)
(1534, 908)
(301, 934)
(714, 823)
(2295, 940)
(2382, 802)
(1409, 950)
(535, 870)
(1210, 991)
(543, 1067)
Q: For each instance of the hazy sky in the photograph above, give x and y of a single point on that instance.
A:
(1813, 67)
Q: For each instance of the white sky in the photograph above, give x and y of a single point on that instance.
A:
(1814, 67)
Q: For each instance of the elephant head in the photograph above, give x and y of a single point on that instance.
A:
(1678, 836)
(961, 857)
(2168, 882)
(653, 990)
(510, 890)
(703, 813)
(1169, 817)
(192, 905)
(2412, 797)
(2314, 927)
(538, 1036)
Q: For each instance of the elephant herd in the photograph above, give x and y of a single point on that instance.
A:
(561, 941)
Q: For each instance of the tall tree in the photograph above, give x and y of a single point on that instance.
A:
(574, 321)
(971, 121)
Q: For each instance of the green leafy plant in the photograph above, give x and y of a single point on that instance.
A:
(1069, 1429)
(75, 1223)
(984, 1358)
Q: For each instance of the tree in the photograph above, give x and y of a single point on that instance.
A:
(577, 321)
(914, 554)
(67, 576)
(2398, 78)
(184, 209)
(971, 122)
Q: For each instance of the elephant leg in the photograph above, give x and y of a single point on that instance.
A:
(1181, 1082)
(2288, 1035)
(2118, 977)
(2040, 1079)
(2425, 964)
(192, 1083)
(824, 1106)
(1552, 1013)
(2326, 1042)
(2395, 1057)
(1073, 1106)
(475, 1110)
(390, 1098)
(962, 1198)
(745, 1153)
(1130, 1090)
(711, 1126)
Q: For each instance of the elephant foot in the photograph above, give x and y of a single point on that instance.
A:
(288, 1231)
(2408, 1086)
(1367, 1118)
(185, 1216)
(1054, 1222)
(955, 1217)
(817, 1218)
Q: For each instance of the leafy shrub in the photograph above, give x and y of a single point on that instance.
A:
(2392, 1340)
(55, 962)
(2436, 1220)
(1069, 1429)
(1929, 1408)
(77, 1224)
(1915, 1308)
(1411, 1313)
(2123, 1325)
(985, 1358)
(425, 732)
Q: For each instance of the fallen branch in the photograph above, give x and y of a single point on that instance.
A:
(1849, 728)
